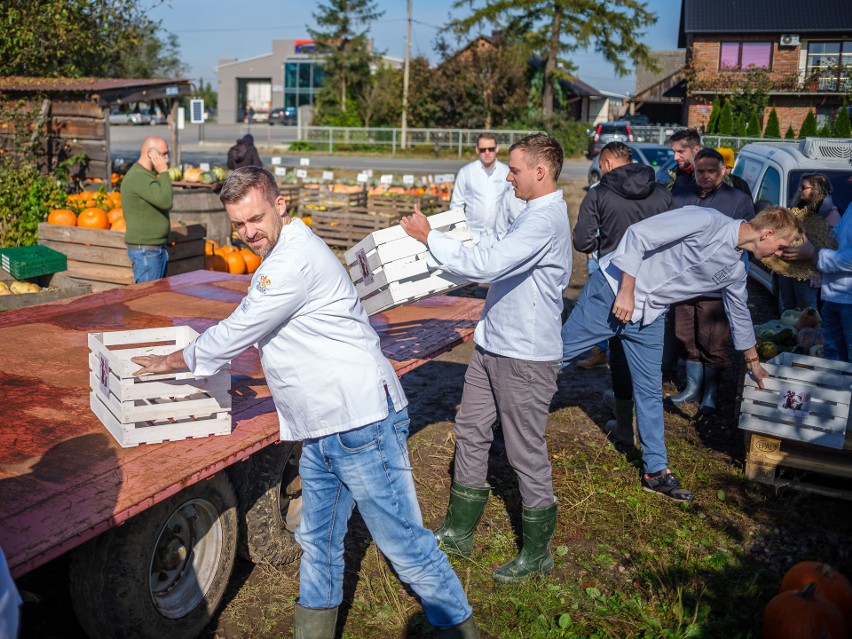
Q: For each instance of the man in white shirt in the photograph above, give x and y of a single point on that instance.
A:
(512, 373)
(481, 189)
(335, 391)
(668, 258)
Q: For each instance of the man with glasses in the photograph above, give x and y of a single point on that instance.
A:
(146, 198)
(482, 191)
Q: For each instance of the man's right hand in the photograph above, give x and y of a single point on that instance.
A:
(625, 299)
(158, 160)
(416, 225)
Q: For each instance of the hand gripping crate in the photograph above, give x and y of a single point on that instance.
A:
(389, 268)
(799, 423)
(154, 408)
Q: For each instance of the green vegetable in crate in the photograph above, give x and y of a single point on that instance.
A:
(219, 172)
(208, 177)
(767, 350)
(175, 174)
(769, 330)
(817, 350)
(790, 317)
(785, 337)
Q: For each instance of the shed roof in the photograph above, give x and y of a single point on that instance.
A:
(669, 63)
(108, 91)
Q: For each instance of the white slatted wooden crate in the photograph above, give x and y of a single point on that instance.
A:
(154, 408)
(389, 268)
(817, 412)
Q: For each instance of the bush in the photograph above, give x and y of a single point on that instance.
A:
(753, 126)
(573, 137)
(740, 126)
(842, 125)
(726, 120)
(790, 134)
(713, 122)
(773, 127)
(809, 127)
(824, 131)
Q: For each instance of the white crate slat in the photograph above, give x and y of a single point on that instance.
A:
(829, 386)
(154, 408)
(405, 292)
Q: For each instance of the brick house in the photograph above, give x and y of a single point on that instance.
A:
(798, 52)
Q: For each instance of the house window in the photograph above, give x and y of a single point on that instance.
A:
(831, 64)
(742, 56)
(302, 79)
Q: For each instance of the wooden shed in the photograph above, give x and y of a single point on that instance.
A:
(75, 113)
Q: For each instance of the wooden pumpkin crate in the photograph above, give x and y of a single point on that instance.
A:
(154, 408)
(389, 268)
(345, 228)
(404, 204)
(99, 258)
(312, 198)
(813, 438)
(291, 193)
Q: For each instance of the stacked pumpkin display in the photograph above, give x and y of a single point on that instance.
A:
(229, 259)
(814, 602)
(91, 210)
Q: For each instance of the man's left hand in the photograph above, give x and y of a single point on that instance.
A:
(416, 225)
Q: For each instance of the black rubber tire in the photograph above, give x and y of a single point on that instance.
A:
(110, 588)
(269, 497)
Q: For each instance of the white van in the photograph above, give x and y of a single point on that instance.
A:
(773, 171)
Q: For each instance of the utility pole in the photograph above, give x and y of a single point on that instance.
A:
(405, 66)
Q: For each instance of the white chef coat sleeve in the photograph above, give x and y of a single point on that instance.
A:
(735, 300)
(653, 233)
(459, 190)
(261, 311)
(839, 261)
(516, 253)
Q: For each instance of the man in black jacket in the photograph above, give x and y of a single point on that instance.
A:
(626, 194)
(244, 153)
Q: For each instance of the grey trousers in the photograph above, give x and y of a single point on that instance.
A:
(519, 391)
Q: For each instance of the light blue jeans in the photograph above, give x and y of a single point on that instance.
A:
(370, 467)
(837, 328)
(148, 263)
(591, 320)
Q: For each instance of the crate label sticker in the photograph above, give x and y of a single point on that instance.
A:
(301, 173)
(304, 161)
(430, 179)
(204, 166)
(387, 179)
(794, 402)
(362, 178)
(408, 179)
(366, 273)
(369, 172)
(280, 170)
(103, 374)
(276, 160)
(327, 175)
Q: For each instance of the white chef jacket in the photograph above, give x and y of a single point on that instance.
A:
(682, 254)
(321, 357)
(528, 269)
(488, 200)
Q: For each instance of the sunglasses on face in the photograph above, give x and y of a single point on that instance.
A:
(487, 149)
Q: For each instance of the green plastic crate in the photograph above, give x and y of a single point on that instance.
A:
(23, 262)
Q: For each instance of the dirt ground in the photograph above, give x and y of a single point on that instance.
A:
(259, 601)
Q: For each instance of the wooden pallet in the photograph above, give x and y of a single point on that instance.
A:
(291, 193)
(154, 408)
(346, 228)
(404, 204)
(389, 268)
(323, 197)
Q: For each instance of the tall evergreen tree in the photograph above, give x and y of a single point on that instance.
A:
(341, 33)
(809, 127)
(842, 126)
(773, 126)
(553, 29)
(824, 131)
(726, 120)
(740, 126)
(790, 134)
(713, 122)
(753, 126)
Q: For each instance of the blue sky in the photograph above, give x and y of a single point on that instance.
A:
(212, 29)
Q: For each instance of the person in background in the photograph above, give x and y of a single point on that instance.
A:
(665, 259)
(244, 153)
(512, 372)
(626, 194)
(736, 181)
(336, 393)
(146, 198)
(599, 355)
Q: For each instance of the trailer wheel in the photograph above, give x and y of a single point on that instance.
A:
(162, 573)
(269, 494)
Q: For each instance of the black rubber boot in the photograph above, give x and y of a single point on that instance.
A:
(694, 380)
(622, 428)
(314, 623)
(539, 525)
(465, 630)
(711, 389)
(464, 511)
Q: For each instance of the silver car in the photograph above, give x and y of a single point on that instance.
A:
(648, 153)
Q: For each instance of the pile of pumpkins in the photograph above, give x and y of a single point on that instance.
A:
(814, 602)
(91, 210)
(229, 259)
(196, 175)
(19, 288)
(797, 331)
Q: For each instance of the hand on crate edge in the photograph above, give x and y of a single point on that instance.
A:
(416, 225)
(159, 363)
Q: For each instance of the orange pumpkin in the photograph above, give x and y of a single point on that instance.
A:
(830, 584)
(119, 225)
(210, 247)
(62, 217)
(236, 263)
(252, 261)
(114, 214)
(93, 218)
(801, 614)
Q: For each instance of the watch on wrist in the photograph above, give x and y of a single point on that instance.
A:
(751, 360)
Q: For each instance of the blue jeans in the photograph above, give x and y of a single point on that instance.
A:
(793, 293)
(369, 466)
(590, 321)
(837, 329)
(148, 263)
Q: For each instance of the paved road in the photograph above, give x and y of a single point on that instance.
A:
(211, 145)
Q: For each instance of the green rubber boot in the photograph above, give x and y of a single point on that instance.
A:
(534, 558)
(463, 514)
(465, 630)
(314, 623)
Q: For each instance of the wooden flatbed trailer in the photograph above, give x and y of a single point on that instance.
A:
(154, 529)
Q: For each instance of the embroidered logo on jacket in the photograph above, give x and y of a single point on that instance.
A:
(263, 283)
(724, 274)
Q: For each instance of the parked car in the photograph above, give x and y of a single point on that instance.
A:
(283, 115)
(773, 171)
(608, 132)
(117, 116)
(155, 117)
(653, 155)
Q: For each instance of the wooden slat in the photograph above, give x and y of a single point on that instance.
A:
(95, 150)
(81, 128)
(82, 108)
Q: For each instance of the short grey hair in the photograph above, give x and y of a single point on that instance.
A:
(249, 178)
